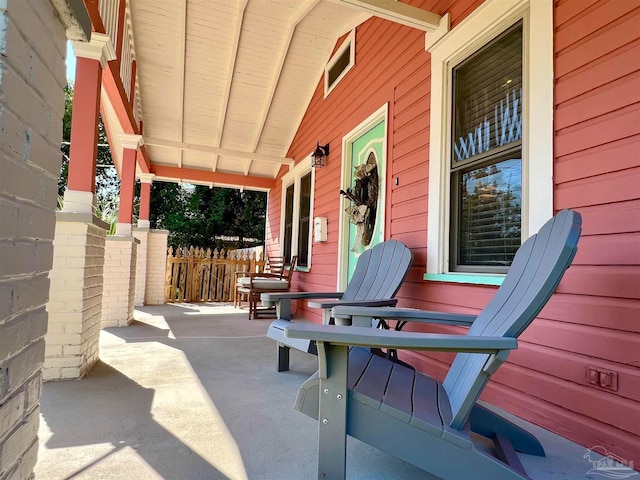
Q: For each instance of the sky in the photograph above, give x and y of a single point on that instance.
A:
(71, 63)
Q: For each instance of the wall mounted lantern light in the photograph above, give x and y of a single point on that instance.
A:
(319, 155)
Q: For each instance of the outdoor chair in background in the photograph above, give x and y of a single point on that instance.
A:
(412, 416)
(273, 265)
(378, 275)
(276, 278)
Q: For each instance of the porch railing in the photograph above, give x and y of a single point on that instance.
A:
(109, 13)
(199, 275)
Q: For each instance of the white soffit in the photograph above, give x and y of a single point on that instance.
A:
(224, 84)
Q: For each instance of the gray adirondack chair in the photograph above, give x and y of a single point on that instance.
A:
(378, 275)
(408, 414)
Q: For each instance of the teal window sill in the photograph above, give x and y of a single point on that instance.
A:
(465, 278)
(303, 269)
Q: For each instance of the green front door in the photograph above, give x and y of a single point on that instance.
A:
(365, 178)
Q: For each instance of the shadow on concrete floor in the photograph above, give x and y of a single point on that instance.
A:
(191, 392)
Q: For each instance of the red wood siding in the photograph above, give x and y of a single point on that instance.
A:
(597, 172)
(594, 318)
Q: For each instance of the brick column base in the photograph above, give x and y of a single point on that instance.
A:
(156, 267)
(119, 281)
(75, 296)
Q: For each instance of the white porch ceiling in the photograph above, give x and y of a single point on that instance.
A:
(224, 84)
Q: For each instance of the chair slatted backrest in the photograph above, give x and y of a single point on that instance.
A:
(288, 274)
(379, 272)
(275, 266)
(536, 271)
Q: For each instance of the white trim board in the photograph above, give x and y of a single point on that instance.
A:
(485, 23)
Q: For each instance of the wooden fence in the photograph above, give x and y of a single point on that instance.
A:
(199, 275)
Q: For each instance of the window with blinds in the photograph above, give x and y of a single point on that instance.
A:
(486, 156)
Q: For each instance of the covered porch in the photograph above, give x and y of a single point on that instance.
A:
(203, 93)
(171, 397)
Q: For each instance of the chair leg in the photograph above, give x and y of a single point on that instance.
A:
(245, 298)
(239, 296)
(255, 298)
(282, 358)
(332, 437)
(507, 454)
(252, 306)
(488, 423)
(265, 312)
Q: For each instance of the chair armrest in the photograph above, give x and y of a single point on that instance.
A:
(369, 337)
(270, 298)
(406, 314)
(264, 275)
(386, 302)
(282, 300)
(253, 275)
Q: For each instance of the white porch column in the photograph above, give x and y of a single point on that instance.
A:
(130, 145)
(121, 250)
(141, 232)
(75, 296)
(156, 267)
(142, 236)
(119, 281)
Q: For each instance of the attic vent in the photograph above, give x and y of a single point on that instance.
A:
(340, 63)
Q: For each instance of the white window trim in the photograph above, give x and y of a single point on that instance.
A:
(350, 41)
(293, 176)
(485, 23)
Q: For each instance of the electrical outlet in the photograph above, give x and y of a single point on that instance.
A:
(603, 378)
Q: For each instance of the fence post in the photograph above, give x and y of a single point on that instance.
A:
(227, 277)
(167, 278)
(206, 276)
(216, 254)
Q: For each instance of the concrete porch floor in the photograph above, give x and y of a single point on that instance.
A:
(191, 392)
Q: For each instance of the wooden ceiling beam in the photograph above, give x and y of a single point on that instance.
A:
(155, 142)
(232, 67)
(183, 64)
(302, 12)
(208, 177)
(397, 12)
